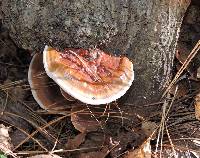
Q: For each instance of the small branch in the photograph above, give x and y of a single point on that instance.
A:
(183, 67)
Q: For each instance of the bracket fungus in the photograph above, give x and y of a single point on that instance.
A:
(91, 76)
(45, 91)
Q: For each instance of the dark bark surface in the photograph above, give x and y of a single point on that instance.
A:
(144, 30)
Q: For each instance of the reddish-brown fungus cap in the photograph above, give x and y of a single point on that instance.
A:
(45, 91)
(90, 76)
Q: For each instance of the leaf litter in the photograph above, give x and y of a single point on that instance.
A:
(5, 141)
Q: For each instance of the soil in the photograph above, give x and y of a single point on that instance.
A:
(116, 138)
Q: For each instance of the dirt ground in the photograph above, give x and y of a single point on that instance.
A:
(116, 131)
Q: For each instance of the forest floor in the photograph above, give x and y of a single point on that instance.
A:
(27, 130)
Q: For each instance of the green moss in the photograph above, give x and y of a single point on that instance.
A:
(2, 155)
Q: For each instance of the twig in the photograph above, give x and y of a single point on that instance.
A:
(183, 67)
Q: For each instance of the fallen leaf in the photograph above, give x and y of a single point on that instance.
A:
(18, 136)
(75, 142)
(95, 140)
(182, 90)
(85, 121)
(182, 52)
(5, 145)
(98, 154)
(149, 127)
(168, 151)
(196, 142)
(96, 144)
(126, 139)
(144, 151)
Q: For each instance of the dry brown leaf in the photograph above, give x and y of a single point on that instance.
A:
(83, 120)
(182, 89)
(92, 155)
(144, 151)
(149, 127)
(75, 142)
(197, 107)
(18, 136)
(45, 156)
(97, 146)
(177, 152)
(95, 141)
(5, 145)
(190, 70)
(98, 154)
(182, 52)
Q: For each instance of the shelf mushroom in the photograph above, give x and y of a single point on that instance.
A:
(45, 91)
(91, 76)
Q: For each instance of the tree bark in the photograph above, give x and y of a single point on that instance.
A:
(144, 30)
